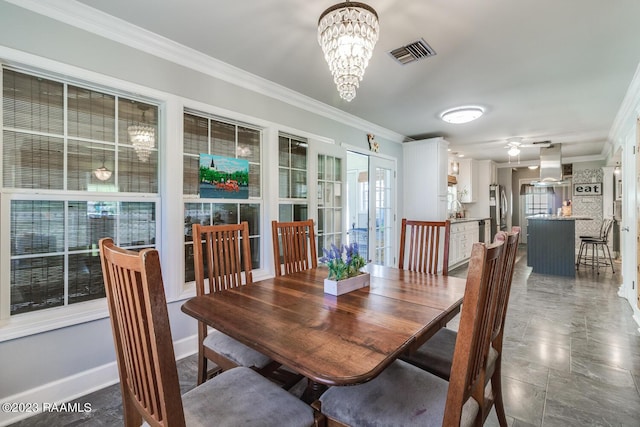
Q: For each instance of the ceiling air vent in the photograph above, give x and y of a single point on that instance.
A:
(412, 52)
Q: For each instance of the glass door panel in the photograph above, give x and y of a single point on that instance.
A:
(382, 204)
(357, 204)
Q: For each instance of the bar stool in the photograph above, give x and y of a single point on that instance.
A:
(596, 244)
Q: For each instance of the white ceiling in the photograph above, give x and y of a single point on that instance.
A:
(544, 69)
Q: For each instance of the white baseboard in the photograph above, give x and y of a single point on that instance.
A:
(80, 384)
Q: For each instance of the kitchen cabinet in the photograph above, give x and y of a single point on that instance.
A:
(468, 180)
(425, 164)
(462, 237)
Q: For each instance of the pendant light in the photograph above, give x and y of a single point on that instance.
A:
(347, 33)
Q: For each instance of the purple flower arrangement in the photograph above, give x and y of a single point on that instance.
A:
(341, 266)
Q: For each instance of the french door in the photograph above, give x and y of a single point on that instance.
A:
(370, 206)
(382, 223)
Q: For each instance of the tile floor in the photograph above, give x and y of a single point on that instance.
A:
(571, 357)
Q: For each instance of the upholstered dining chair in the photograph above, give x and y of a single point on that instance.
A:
(221, 253)
(436, 355)
(405, 395)
(294, 246)
(425, 240)
(147, 364)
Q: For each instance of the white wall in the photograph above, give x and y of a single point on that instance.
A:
(623, 137)
(37, 365)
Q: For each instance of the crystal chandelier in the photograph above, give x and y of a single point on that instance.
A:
(142, 137)
(347, 33)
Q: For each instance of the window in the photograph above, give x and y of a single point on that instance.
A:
(330, 221)
(292, 178)
(537, 200)
(221, 137)
(56, 135)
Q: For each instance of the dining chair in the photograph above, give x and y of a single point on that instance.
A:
(405, 395)
(294, 246)
(436, 355)
(147, 365)
(425, 241)
(221, 253)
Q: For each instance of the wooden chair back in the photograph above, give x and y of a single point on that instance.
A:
(226, 253)
(294, 246)
(425, 240)
(142, 336)
(510, 251)
(474, 332)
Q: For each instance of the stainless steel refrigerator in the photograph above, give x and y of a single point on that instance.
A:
(498, 207)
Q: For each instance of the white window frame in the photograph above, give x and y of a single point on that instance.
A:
(38, 321)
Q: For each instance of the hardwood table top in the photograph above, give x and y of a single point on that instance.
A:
(333, 340)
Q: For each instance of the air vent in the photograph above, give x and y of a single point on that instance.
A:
(547, 142)
(412, 52)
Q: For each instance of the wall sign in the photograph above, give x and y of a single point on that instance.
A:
(588, 189)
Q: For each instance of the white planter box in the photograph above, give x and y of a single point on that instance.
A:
(339, 287)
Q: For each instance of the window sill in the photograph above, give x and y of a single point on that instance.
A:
(23, 325)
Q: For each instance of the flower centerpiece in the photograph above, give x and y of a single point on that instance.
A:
(344, 271)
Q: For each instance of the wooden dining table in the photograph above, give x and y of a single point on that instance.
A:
(333, 340)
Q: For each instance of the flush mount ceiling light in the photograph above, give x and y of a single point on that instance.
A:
(461, 115)
(142, 136)
(347, 33)
(533, 167)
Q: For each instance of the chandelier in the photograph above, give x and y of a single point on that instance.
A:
(142, 137)
(347, 33)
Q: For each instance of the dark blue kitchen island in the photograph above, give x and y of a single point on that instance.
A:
(551, 247)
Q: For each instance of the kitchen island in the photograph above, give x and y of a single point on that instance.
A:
(551, 247)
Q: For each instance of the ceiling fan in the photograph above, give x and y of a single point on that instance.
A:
(515, 144)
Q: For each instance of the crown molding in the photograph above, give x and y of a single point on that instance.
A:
(94, 21)
(629, 111)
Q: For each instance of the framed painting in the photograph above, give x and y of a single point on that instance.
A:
(223, 177)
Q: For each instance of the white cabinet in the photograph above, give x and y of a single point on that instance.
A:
(463, 236)
(425, 165)
(468, 180)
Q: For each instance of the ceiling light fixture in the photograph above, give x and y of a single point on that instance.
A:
(142, 136)
(513, 151)
(347, 33)
(533, 167)
(461, 115)
(102, 173)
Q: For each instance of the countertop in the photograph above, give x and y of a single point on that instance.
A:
(459, 220)
(546, 217)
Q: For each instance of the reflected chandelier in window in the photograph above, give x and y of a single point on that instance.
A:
(142, 136)
(347, 33)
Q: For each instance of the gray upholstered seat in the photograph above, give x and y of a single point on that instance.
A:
(436, 355)
(402, 395)
(234, 350)
(242, 397)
